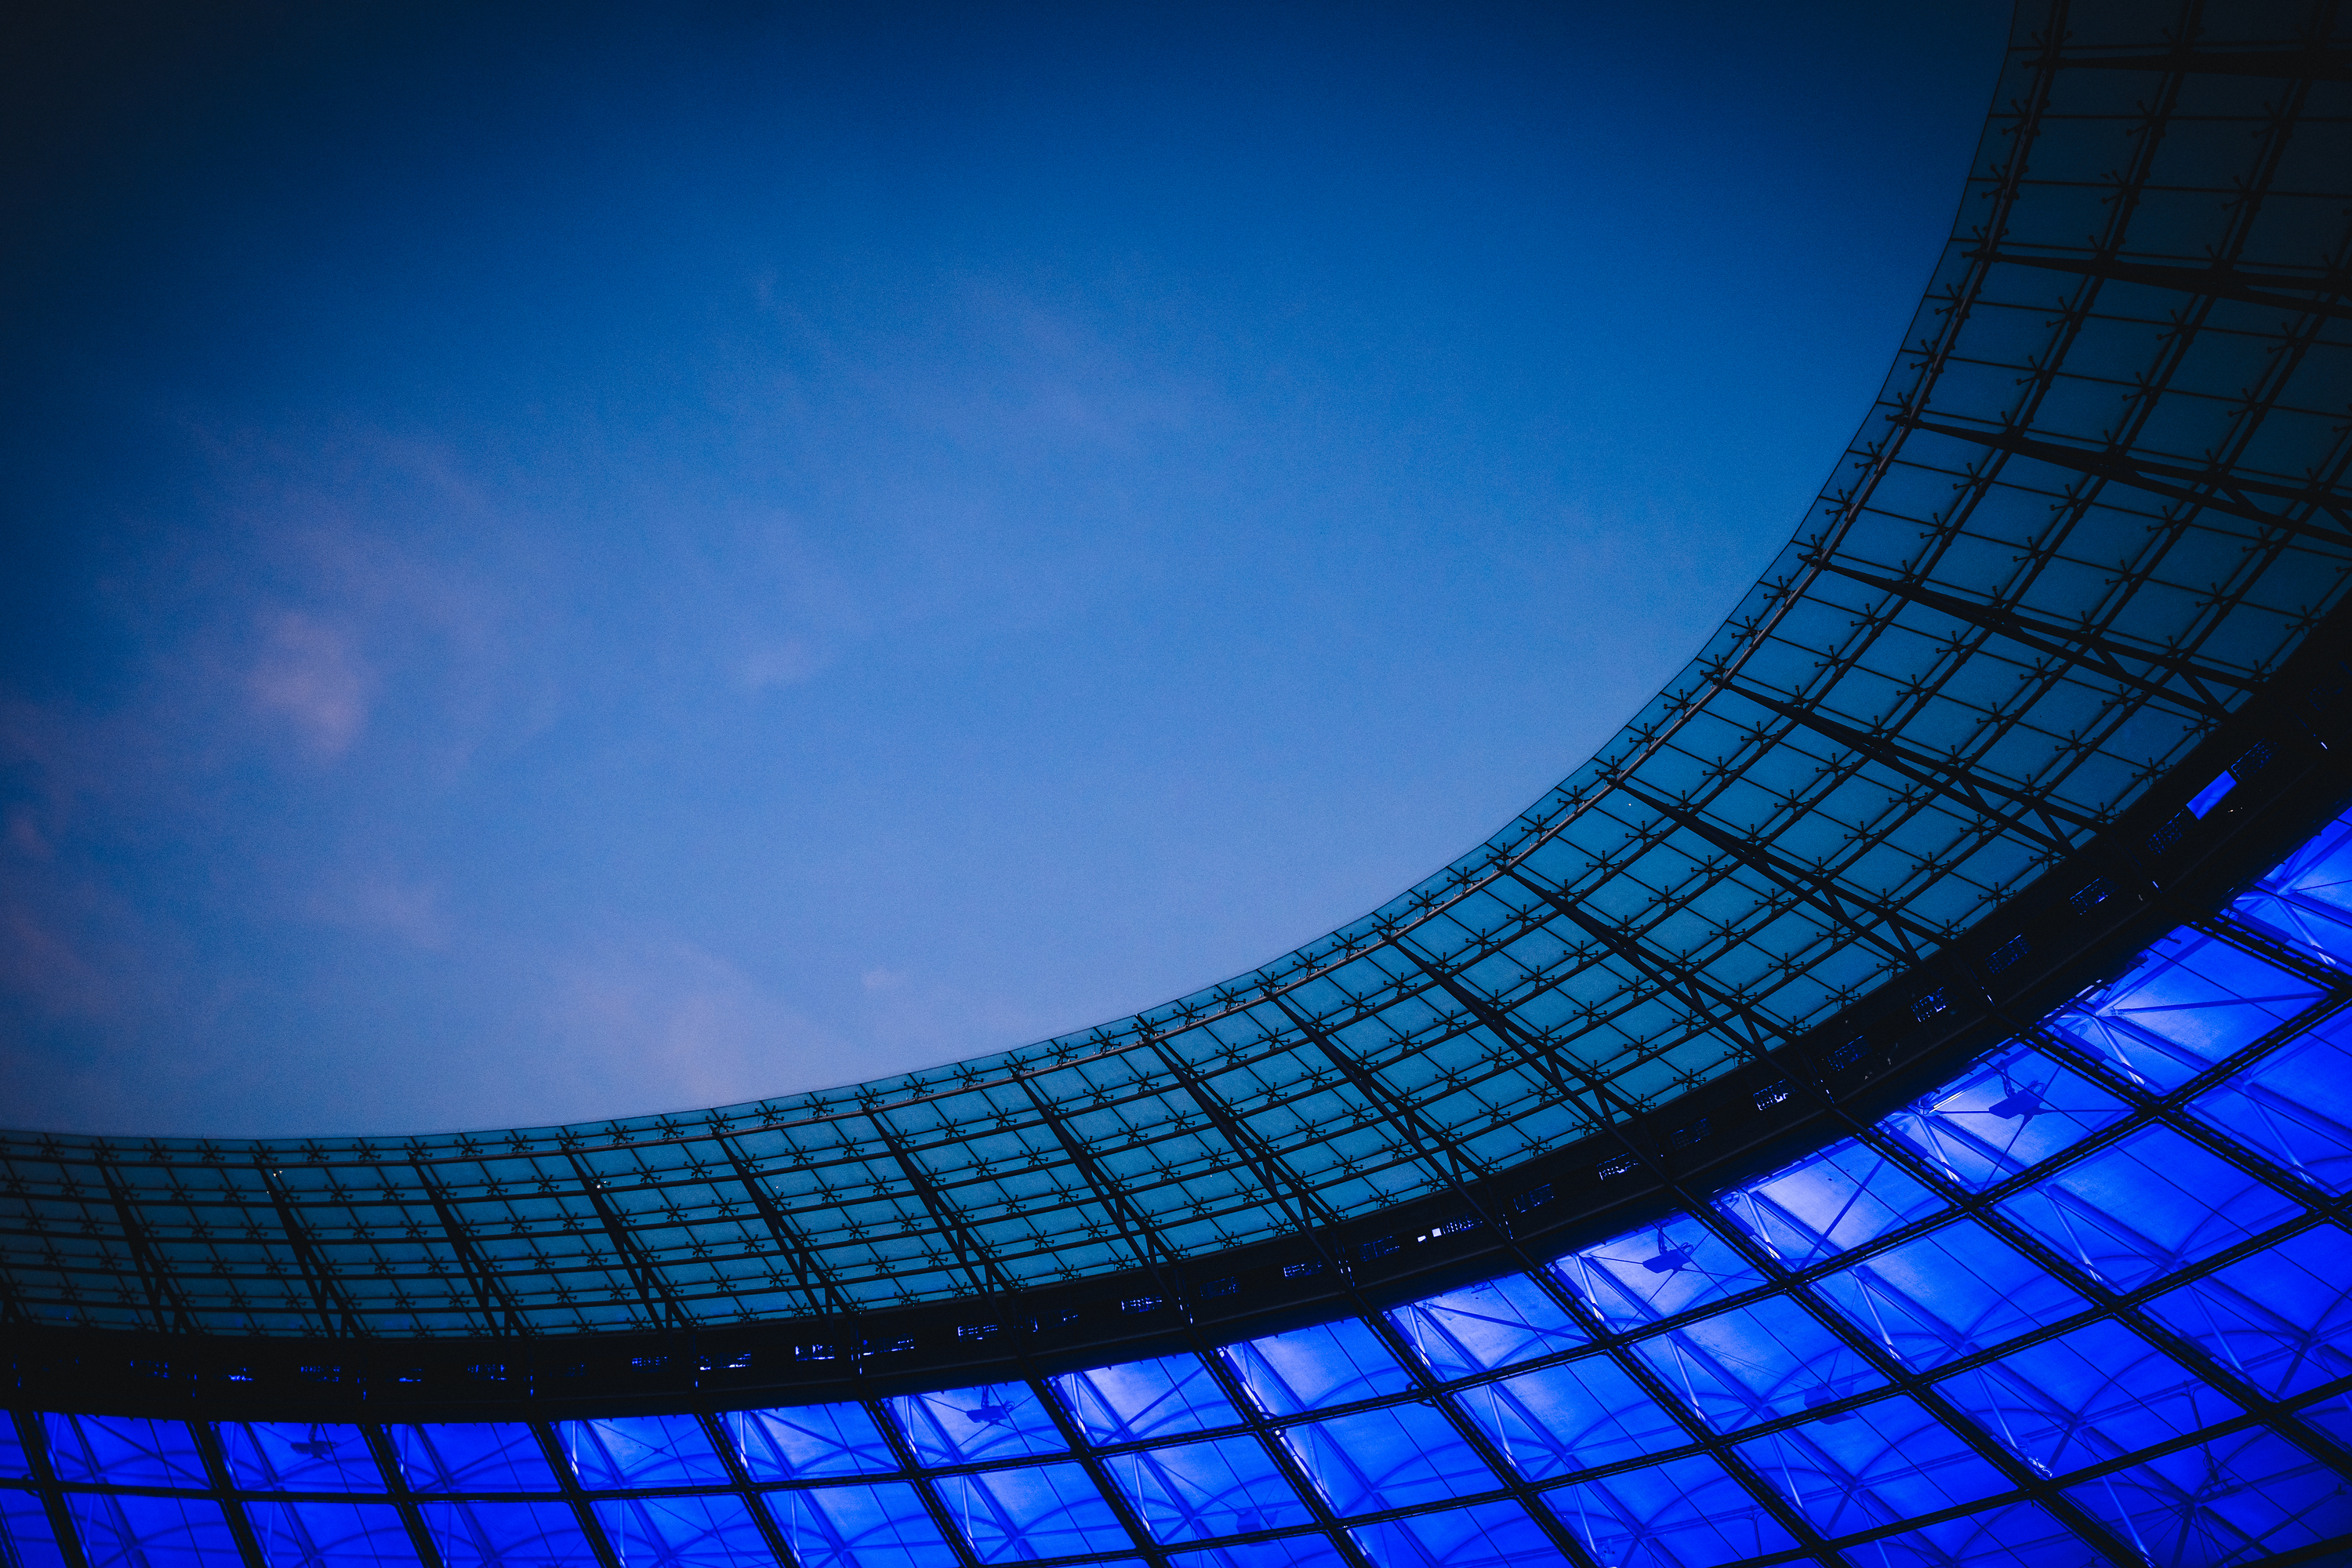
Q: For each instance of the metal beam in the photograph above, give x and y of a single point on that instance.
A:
(2228, 490)
(2221, 281)
(2060, 640)
(2292, 65)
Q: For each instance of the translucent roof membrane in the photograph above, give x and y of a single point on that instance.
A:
(2089, 1301)
(2100, 497)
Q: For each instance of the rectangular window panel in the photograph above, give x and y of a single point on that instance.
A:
(25, 1525)
(12, 1463)
(1757, 1363)
(808, 1441)
(2306, 902)
(883, 1526)
(2295, 1105)
(641, 1451)
(1225, 1485)
(2018, 1536)
(2236, 1500)
(1482, 1327)
(2005, 1115)
(2192, 1002)
(1049, 1511)
(1290, 1551)
(2150, 1204)
(126, 1450)
(300, 1456)
(1313, 1369)
(1389, 1458)
(2281, 1319)
(330, 1534)
(506, 1534)
(1879, 1465)
(472, 1456)
(153, 1531)
(1683, 1511)
(2095, 1394)
(709, 1531)
(1489, 1535)
(1654, 1273)
(999, 1421)
(1143, 1399)
(1827, 1203)
(1951, 1293)
(1569, 1417)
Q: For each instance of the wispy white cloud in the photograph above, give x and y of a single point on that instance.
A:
(649, 1024)
(410, 910)
(309, 676)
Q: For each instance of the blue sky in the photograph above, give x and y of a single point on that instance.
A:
(572, 563)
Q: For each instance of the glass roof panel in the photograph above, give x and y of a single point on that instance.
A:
(490, 1535)
(332, 1534)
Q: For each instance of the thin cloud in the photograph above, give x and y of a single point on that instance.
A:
(309, 676)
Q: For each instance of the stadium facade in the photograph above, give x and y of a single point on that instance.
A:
(1892, 1106)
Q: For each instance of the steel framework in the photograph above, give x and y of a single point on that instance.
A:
(2083, 1303)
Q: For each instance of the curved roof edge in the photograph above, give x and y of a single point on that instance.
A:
(2099, 506)
(2261, 784)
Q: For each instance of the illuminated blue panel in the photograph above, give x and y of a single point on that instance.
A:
(2006, 1114)
(2281, 1319)
(505, 1534)
(1315, 1368)
(1568, 1418)
(131, 1531)
(1757, 1363)
(472, 1456)
(1482, 1327)
(1667, 1516)
(1489, 1535)
(641, 1451)
(315, 1534)
(1879, 1465)
(2236, 1500)
(2191, 1002)
(2307, 902)
(2018, 1536)
(808, 1441)
(1143, 1399)
(1290, 1551)
(999, 1421)
(25, 1525)
(128, 1450)
(295, 1456)
(12, 1452)
(1390, 1457)
(1645, 1274)
(1225, 1485)
(1952, 1292)
(883, 1526)
(2098, 1393)
(1828, 1203)
(2295, 1105)
(2146, 1206)
(710, 1531)
(1046, 1511)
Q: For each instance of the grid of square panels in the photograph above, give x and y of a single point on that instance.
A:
(2100, 497)
(2090, 1301)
